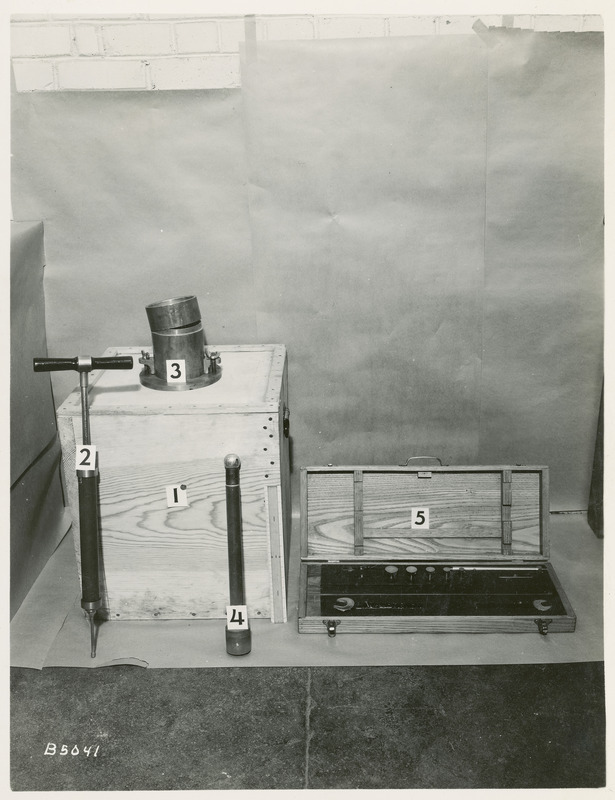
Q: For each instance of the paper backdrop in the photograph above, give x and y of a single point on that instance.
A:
(419, 220)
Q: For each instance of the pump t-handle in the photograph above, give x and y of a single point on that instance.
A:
(82, 363)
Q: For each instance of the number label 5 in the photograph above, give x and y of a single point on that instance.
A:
(420, 518)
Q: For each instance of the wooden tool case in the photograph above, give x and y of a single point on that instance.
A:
(421, 548)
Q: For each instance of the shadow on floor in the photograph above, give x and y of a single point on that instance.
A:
(127, 728)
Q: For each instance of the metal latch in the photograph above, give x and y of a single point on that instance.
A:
(543, 626)
(286, 423)
(331, 626)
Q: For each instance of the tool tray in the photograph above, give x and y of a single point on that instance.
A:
(428, 548)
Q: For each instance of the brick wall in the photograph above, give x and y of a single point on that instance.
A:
(154, 52)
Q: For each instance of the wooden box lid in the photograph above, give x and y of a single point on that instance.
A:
(252, 378)
(427, 513)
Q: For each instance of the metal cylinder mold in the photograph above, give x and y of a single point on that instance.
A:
(180, 361)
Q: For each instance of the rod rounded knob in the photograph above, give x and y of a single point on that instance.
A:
(232, 461)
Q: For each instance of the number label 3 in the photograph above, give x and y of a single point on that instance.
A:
(176, 370)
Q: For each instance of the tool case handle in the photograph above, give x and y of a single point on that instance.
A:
(416, 458)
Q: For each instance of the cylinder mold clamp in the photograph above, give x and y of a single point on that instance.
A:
(180, 361)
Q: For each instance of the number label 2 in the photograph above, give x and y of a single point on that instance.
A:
(420, 518)
(85, 457)
(237, 618)
(176, 370)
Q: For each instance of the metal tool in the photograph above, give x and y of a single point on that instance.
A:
(87, 479)
(238, 639)
(179, 359)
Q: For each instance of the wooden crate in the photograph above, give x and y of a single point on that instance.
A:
(458, 526)
(171, 562)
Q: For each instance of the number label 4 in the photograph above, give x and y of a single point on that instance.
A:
(237, 618)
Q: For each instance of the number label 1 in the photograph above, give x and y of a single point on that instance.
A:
(420, 518)
(176, 370)
(177, 496)
(237, 618)
(86, 457)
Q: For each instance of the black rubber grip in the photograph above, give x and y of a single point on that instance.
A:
(112, 362)
(58, 364)
(88, 539)
(53, 364)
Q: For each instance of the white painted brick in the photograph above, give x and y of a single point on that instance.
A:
(523, 21)
(463, 24)
(195, 72)
(232, 32)
(593, 22)
(197, 37)
(558, 22)
(40, 40)
(138, 39)
(411, 26)
(29, 17)
(33, 75)
(102, 16)
(289, 28)
(350, 27)
(86, 39)
(101, 73)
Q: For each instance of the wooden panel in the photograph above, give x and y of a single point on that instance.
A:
(436, 625)
(276, 540)
(283, 465)
(251, 380)
(330, 513)
(172, 562)
(528, 521)
(465, 510)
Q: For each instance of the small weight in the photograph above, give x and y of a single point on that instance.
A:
(344, 603)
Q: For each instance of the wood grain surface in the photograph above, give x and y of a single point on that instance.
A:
(172, 562)
(465, 511)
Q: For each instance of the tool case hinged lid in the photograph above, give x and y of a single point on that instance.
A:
(425, 512)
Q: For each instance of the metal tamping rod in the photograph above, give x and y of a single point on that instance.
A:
(238, 639)
(87, 480)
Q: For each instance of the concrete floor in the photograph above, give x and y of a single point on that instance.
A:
(495, 726)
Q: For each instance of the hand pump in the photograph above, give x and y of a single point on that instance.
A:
(87, 479)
